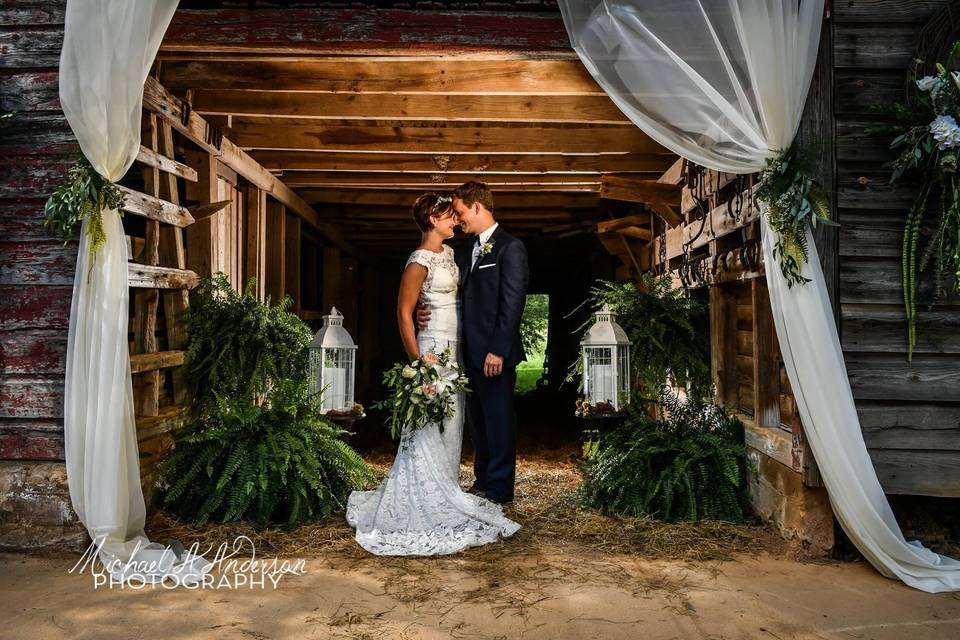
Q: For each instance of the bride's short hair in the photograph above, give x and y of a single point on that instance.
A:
(430, 204)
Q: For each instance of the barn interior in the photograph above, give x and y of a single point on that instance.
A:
(339, 136)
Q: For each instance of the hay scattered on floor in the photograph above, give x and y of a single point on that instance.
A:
(545, 504)
(560, 543)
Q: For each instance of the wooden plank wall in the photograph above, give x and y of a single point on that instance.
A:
(910, 413)
(36, 269)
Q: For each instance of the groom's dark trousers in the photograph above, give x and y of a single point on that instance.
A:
(493, 296)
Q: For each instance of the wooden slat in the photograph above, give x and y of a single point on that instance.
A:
(172, 254)
(902, 425)
(478, 163)
(439, 180)
(148, 277)
(163, 163)
(929, 378)
(643, 191)
(883, 329)
(929, 473)
(293, 267)
(589, 109)
(201, 239)
(154, 208)
(143, 362)
(723, 350)
(765, 359)
(276, 222)
(169, 419)
(292, 133)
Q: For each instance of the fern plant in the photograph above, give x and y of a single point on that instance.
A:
(668, 332)
(279, 461)
(691, 465)
(240, 346)
(258, 447)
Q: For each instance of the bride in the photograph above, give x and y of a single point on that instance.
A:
(419, 509)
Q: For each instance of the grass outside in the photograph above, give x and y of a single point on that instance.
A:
(529, 372)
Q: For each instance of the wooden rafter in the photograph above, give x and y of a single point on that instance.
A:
(170, 108)
(641, 191)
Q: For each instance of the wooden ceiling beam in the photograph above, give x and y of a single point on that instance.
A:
(437, 180)
(462, 163)
(286, 133)
(642, 191)
(405, 198)
(590, 109)
(322, 29)
(404, 76)
(616, 224)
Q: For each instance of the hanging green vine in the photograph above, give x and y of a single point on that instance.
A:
(85, 194)
(796, 203)
(928, 140)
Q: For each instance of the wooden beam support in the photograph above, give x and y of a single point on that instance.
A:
(576, 109)
(379, 75)
(723, 345)
(547, 181)
(624, 222)
(642, 191)
(203, 243)
(276, 263)
(157, 99)
(293, 267)
(294, 133)
(404, 199)
(475, 163)
(255, 252)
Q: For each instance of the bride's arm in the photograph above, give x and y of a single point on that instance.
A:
(410, 283)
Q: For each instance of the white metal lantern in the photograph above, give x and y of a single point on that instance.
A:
(606, 361)
(332, 358)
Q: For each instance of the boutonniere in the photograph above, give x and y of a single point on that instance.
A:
(485, 249)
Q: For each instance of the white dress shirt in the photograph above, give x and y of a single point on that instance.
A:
(483, 237)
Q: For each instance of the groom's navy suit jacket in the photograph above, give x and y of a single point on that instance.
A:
(493, 293)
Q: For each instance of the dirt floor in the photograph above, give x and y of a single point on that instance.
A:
(568, 573)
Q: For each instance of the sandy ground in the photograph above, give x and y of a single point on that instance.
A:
(613, 597)
(568, 573)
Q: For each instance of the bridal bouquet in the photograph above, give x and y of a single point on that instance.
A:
(424, 392)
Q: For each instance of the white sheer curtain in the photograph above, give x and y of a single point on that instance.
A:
(723, 84)
(108, 48)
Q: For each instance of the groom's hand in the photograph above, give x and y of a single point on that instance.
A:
(492, 366)
(423, 315)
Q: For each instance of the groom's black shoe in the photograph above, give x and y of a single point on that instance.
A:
(502, 503)
(477, 491)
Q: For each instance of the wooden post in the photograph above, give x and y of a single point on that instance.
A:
(766, 363)
(147, 384)
(276, 261)
(255, 260)
(723, 345)
(175, 301)
(292, 261)
(332, 275)
(201, 238)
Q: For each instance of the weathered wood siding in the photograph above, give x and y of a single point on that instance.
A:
(910, 413)
(36, 269)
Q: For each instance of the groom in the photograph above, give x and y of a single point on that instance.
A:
(493, 290)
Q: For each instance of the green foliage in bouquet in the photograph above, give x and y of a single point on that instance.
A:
(796, 203)
(239, 346)
(928, 142)
(85, 194)
(258, 447)
(422, 392)
(668, 331)
(280, 461)
(689, 466)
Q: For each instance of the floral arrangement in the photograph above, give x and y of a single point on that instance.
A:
(585, 410)
(423, 392)
(796, 202)
(928, 143)
(84, 194)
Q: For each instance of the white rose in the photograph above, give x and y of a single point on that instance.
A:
(408, 372)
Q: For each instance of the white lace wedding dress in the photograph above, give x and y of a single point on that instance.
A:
(419, 509)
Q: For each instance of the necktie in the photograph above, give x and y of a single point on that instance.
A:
(476, 253)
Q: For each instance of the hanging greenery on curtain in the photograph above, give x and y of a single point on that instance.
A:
(928, 142)
(84, 194)
(796, 202)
